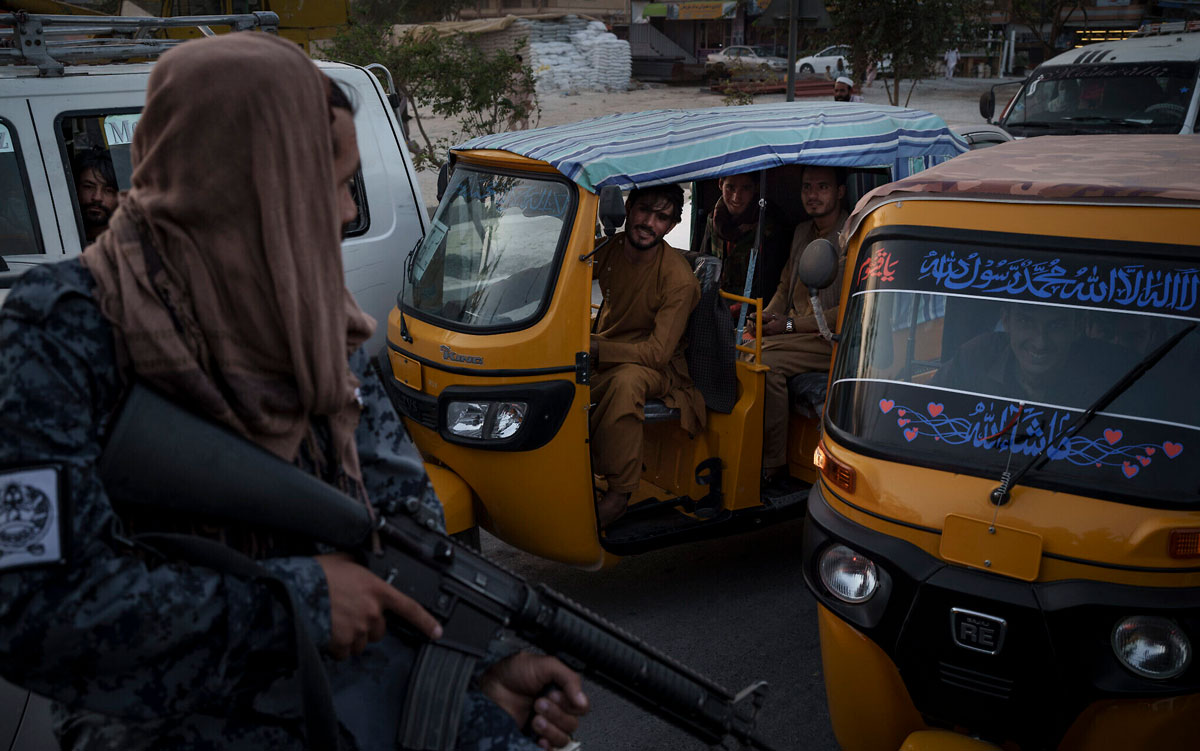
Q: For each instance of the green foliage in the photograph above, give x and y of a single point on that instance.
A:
(1051, 15)
(448, 76)
(736, 96)
(406, 11)
(913, 33)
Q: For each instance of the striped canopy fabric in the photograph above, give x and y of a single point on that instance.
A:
(670, 146)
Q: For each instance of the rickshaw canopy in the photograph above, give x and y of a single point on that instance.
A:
(633, 149)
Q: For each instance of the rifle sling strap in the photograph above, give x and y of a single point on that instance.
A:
(321, 725)
(433, 706)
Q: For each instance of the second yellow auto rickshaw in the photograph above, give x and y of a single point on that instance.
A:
(1005, 540)
(487, 355)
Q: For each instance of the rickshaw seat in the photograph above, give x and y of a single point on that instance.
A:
(710, 352)
(807, 394)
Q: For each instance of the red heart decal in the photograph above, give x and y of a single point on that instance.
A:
(911, 433)
(1144, 460)
(1129, 469)
(1150, 450)
(903, 421)
(1112, 436)
(1099, 465)
(935, 409)
(902, 412)
(1172, 449)
(886, 405)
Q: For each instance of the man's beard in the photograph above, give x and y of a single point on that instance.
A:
(644, 246)
(840, 98)
(96, 215)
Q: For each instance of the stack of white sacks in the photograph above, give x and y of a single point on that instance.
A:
(574, 55)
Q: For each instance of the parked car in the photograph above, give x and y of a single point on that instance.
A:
(828, 57)
(746, 56)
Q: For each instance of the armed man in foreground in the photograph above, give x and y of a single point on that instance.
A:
(222, 289)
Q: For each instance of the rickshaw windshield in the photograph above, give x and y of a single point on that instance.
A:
(489, 258)
(975, 359)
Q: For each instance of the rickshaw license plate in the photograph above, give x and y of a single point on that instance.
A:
(407, 371)
(991, 547)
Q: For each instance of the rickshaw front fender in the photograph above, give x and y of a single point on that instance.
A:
(456, 496)
(944, 740)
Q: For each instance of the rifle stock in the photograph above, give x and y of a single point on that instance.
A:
(160, 455)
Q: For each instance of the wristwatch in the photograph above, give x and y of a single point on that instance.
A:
(788, 326)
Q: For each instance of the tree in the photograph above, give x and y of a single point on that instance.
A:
(449, 76)
(912, 35)
(1052, 15)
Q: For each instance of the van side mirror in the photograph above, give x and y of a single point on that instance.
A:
(612, 209)
(818, 265)
(987, 104)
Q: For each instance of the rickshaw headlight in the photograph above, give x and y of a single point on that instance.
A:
(1151, 646)
(848, 575)
(485, 419)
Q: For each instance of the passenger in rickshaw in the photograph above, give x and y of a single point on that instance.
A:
(792, 342)
(637, 345)
(730, 232)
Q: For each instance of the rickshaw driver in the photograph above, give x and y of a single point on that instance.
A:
(637, 345)
(1040, 355)
(792, 343)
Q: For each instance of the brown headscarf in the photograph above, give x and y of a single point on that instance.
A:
(221, 271)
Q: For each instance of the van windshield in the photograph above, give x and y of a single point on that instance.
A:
(1150, 97)
(957, 355)
(489, 259)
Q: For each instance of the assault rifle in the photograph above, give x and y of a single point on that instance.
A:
(161, 456)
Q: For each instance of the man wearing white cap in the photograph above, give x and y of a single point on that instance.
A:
(843, 89)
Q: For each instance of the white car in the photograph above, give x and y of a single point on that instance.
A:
(745, 56)
(830, 56)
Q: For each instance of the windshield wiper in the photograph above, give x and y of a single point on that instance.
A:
(1001, 494)
(1101, 120)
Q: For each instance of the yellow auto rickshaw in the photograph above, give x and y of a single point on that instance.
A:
(487, 352)
(1005, 539)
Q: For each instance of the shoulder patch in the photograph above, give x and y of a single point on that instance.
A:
(31, 528)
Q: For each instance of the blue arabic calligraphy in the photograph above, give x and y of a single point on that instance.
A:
(1028, 430)
(1128, 286)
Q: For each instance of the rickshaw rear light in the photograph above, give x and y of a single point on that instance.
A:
(848, 575)
(1152, 647)
(1184, 543)
(841, 475)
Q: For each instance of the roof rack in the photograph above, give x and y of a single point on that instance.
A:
(50, 42)
(1156, 28)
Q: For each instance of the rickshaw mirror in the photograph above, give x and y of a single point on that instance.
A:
(818, 264)
(612, 209)
(987, 104)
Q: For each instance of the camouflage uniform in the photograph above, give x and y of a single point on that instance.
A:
(139, 653)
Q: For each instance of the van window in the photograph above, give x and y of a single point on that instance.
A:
(977, 358)
(1105, 98)
(97, 147)
(18, 229)
(490, 256)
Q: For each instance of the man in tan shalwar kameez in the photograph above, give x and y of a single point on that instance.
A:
(792, 342)
(637, 347)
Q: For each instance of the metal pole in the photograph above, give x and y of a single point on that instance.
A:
(793, 11)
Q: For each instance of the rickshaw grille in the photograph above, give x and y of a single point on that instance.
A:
(974, 680)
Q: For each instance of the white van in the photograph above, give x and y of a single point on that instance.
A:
(1145, 84)
(47, 119)
(51, 112)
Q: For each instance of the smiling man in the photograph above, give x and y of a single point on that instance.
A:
(792, 342)
(637, 344)
(731, 229)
